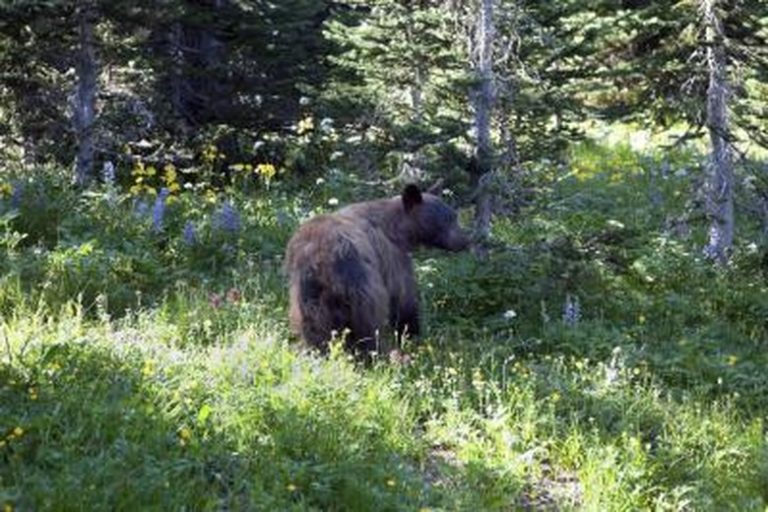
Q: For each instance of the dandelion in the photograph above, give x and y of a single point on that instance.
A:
(158, 210)
(228, 219)
(189, 236)
(571, 311)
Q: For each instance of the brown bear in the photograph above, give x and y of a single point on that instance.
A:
(350, 272)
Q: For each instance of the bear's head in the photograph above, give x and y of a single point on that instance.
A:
(432, 222)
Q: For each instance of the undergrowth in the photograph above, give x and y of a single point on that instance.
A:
(595, 361)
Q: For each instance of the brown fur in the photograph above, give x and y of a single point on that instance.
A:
(351, 270)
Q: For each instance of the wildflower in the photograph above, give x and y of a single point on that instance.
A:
(185, 435)
(214, 299)
(140, 208)
(16, 195)
(158, 211)
(189, 236)
(333, 201)
(391, 483)
(18, 431)
(234, 296)
(266, 171)
(571, 311)
(510, 314)
(5, 189)
(291, 487)
(319, 181)
(170, 178)
(108, 174)
(228, 219)
(326, 125)
(305, 125)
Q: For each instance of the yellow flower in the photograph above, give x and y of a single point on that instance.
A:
(291, 487)
(391, 483)
(267, 171)
(148, 368)
(7, 507)
(18, 431)
(305, 125)
(171, 175)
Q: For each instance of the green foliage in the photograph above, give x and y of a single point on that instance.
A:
(592, 361)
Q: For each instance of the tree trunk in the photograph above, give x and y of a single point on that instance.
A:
(85, 97)
(483, 98)
(720, 189)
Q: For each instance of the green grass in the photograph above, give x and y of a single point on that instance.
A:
(133, 377)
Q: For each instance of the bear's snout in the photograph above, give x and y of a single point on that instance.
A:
(457, 240)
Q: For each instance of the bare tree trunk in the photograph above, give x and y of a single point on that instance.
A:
(483, 98)
(176, 74)
(85, 97)
(720, 189)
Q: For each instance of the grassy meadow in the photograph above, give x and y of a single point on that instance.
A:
(595, 361)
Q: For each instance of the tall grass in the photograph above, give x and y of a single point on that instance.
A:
(139, 371)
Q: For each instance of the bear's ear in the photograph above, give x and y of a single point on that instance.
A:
(411, 197)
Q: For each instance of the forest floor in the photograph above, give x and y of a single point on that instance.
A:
(595, 361)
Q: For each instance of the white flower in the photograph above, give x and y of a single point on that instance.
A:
(319, 181)
(510, 314)
(333, 201)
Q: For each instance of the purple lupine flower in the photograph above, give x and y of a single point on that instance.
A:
(16, 195)
(108, 174)
(158, 211)
(228, 219)
(189, 236)
(571, 311)
(140, 208)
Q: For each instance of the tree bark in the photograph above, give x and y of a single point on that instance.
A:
(720, 188)
(483, 98)
(85, 97)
